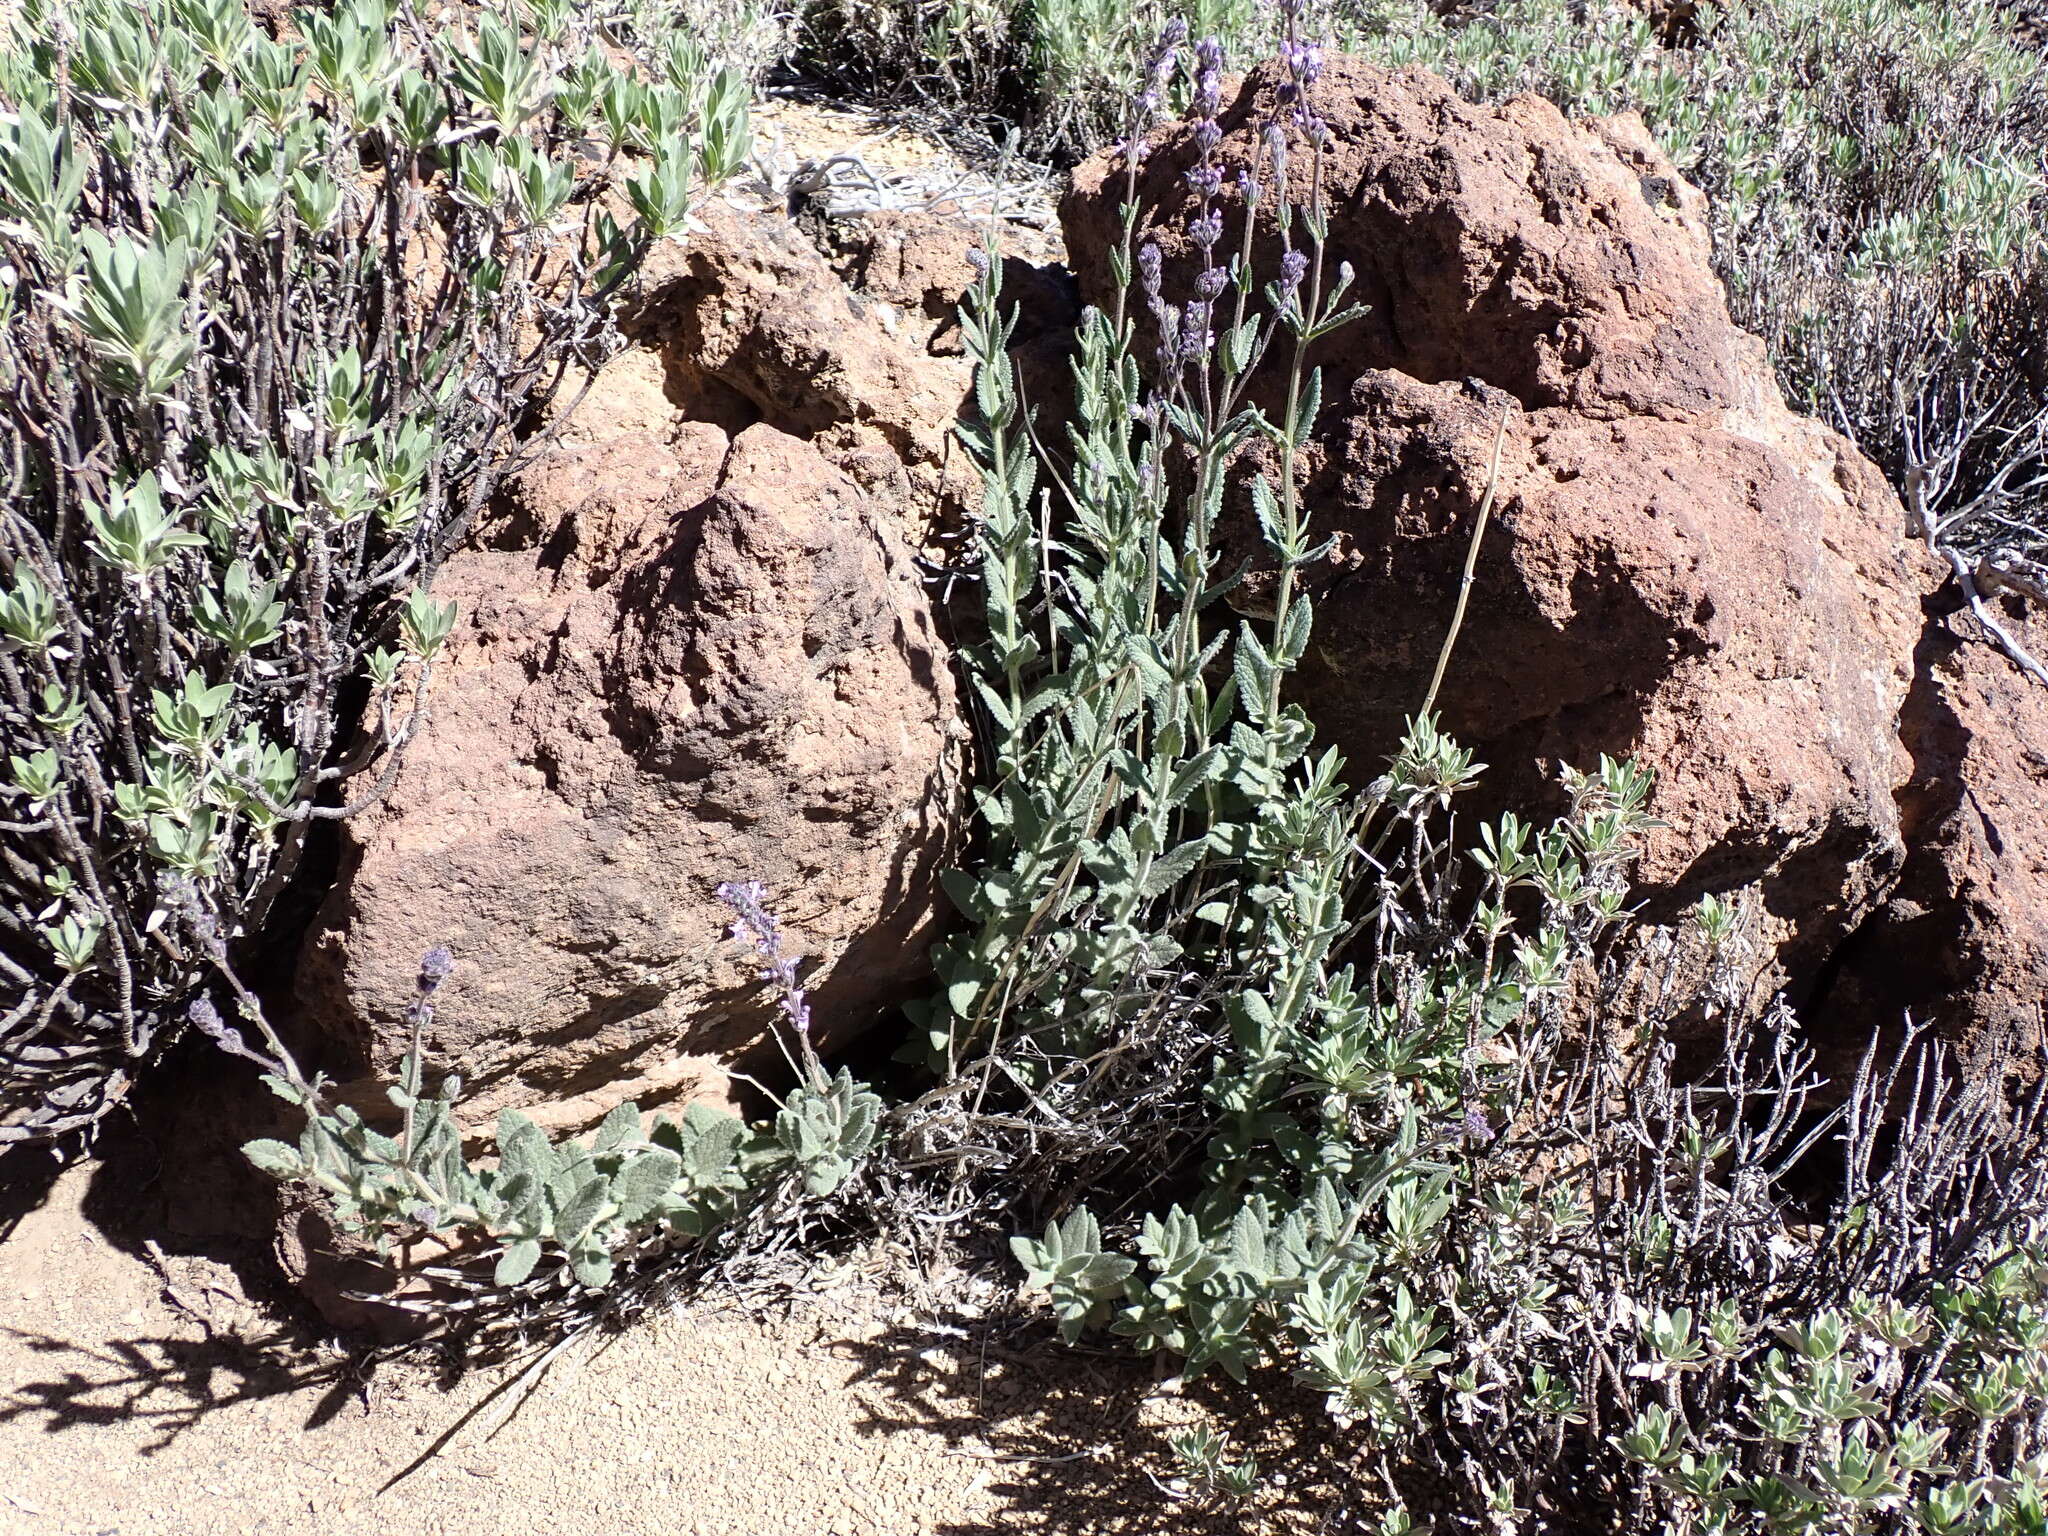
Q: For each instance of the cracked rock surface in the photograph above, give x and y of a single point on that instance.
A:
(681, 659)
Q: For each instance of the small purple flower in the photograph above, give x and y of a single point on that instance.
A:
(1206, 178)
(1209, 283)
(1149, 268)
(1303, 63)
(1293, 268)
(1206, 230)
(754, 923)
(1207, 137)
(1167, 316)
(436, 966)
(1158, 71)
(1208, 77)
(206, 1018)
(1196, 339)
(977, 258)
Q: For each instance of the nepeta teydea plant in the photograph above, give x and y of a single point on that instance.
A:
(273, 312)
(549, 1218)
(1156, 961)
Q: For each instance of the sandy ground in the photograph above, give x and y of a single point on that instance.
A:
(143, 1392)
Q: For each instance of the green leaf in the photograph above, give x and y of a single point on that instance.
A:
(517, 1261)
(582, 1209)
(1170, 868)
(276, 1158)
(644, 1182)
(1309, 406)
(1103, 1274)
(523, 1148)
(592, 1267)
(621, 1125)
(715, 1144)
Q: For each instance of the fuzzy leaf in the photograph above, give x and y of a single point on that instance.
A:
(276, 1158)
(580, 1210)
(1169, 868)
(517, 1261)
(592, 1267)
(621, 1125)
(523, 1148)
(645, 1180)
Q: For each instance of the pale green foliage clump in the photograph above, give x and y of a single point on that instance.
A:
(275, 313)
(579, 1200)
(632, 1193)
(1204, 1457)
(632, 1189)
(1556, 1221)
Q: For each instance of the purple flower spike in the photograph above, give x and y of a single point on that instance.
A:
(1208, 77)
(1149, 268)
(1158, 71)
(755, 924)
(436, 966)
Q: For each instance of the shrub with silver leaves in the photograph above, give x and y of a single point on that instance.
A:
(274, 315)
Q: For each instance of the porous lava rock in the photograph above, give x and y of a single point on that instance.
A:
(1678, 568)
(915, 265)
(680, 659)
(858, 352)
(754, 325)
(1962, 941)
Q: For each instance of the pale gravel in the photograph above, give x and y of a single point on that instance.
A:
(143, 1399)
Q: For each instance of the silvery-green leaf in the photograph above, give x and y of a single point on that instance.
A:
(517, 1261)
(642, 1183)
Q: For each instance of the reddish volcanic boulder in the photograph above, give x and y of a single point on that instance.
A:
(680, 660)
(1678, 567)
(1962, 942)
(753, 325)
